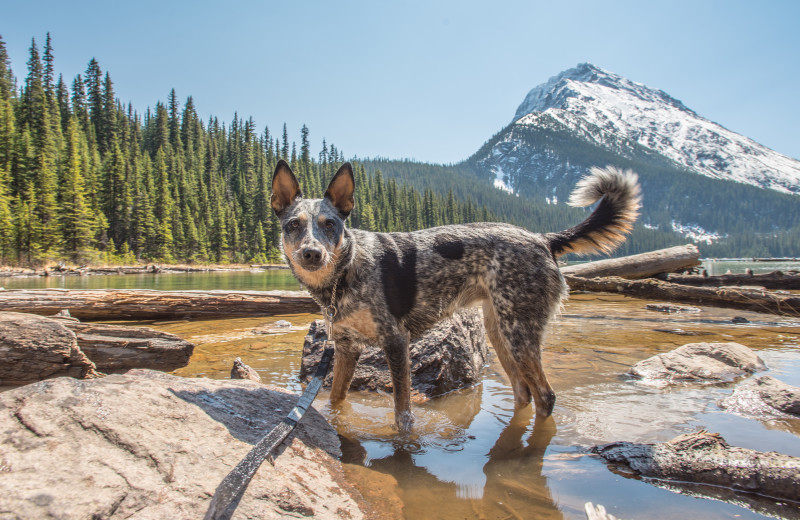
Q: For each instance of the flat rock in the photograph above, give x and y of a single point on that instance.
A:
(448, 357)
(33, 348)
(699, 362)
(764, 397)
(151, 445)
(705, 458)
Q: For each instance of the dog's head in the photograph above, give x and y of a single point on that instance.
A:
(312, 229)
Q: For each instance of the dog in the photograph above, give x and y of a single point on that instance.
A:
(392, 287)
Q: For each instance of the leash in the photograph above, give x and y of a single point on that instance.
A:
(231, 490)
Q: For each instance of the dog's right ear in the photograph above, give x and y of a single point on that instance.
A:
(285, 188)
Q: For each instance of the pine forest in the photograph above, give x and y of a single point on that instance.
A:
(84, 179)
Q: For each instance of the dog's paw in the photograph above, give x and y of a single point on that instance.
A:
(404, 421)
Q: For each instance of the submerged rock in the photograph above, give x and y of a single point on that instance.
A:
(699, 362)
(242, 371)
(705, 458)
(150, 445)
(33, 348)
(764, 397)
(449, 356)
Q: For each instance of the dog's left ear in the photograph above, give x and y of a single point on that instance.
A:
(340, 190)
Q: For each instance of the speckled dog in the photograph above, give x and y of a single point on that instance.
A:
(392, 287)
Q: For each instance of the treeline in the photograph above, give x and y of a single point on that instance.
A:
(752, 220)
(85, 179)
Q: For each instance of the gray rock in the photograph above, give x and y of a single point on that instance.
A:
(705, 458)
(242, 371)
(150, 445)
(699, 362)
(764, 397)
(33, 348)
(448, 357)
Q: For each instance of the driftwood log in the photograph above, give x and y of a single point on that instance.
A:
(705, 458)
(773, 280)
(123, 304)
(668, 260)
(731, 297)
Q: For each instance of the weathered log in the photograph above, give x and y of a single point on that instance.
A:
(730, 297)
(705, 458)
(639, 266)
(773, 280)
(120, 347)
(105, 304)
(33, 348)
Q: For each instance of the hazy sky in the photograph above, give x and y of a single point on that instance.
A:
(430, 80)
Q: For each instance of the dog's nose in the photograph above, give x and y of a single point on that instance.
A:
(311, 254)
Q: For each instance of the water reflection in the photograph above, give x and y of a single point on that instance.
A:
(512, 482)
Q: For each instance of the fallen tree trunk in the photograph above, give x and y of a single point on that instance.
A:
(119, 347)
(639, 266)
(107, 304)
(705, 458)
(731, 297)
(773, 280)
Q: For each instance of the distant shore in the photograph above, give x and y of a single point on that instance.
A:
(154, 268)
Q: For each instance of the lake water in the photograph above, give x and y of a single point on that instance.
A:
(470, 456)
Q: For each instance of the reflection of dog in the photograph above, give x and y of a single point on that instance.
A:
(391, 287)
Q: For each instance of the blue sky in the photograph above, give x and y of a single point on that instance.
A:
(430, 80)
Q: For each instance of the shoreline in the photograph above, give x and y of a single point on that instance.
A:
(58, 270)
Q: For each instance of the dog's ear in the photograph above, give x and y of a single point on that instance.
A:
(340, 190)
(285, 188)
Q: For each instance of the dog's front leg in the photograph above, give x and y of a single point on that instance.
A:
(345, 360)
(395, 347)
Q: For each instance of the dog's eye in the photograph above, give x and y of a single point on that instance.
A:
(329, 224)
(293, 224)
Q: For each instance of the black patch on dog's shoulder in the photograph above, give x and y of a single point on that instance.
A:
(448, 247)
(399, 274)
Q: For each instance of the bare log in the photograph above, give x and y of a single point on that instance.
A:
(106, 304)
(705, 458)
(730, 297)
(773, 280)
(120, 347)
(639, 266)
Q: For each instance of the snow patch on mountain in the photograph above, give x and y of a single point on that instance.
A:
(607, 109)
(696, 233)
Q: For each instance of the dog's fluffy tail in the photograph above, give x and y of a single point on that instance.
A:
(612, 219)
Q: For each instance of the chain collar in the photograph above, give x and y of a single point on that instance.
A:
(328, 311)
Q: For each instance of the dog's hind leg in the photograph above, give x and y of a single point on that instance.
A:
(522, 393)
(523, 335)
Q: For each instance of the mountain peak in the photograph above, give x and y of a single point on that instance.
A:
(600, 106)
(574, 83)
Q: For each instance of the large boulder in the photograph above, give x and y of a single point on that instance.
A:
(705, 458)
(33, 348)
(765, 397)
(449, 356)
(151, 445)
(699, 362)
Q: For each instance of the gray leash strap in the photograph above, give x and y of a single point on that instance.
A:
(231, 490)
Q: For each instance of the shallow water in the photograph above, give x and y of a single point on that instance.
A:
(470, 456)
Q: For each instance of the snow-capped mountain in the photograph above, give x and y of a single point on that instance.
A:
(628, 118)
